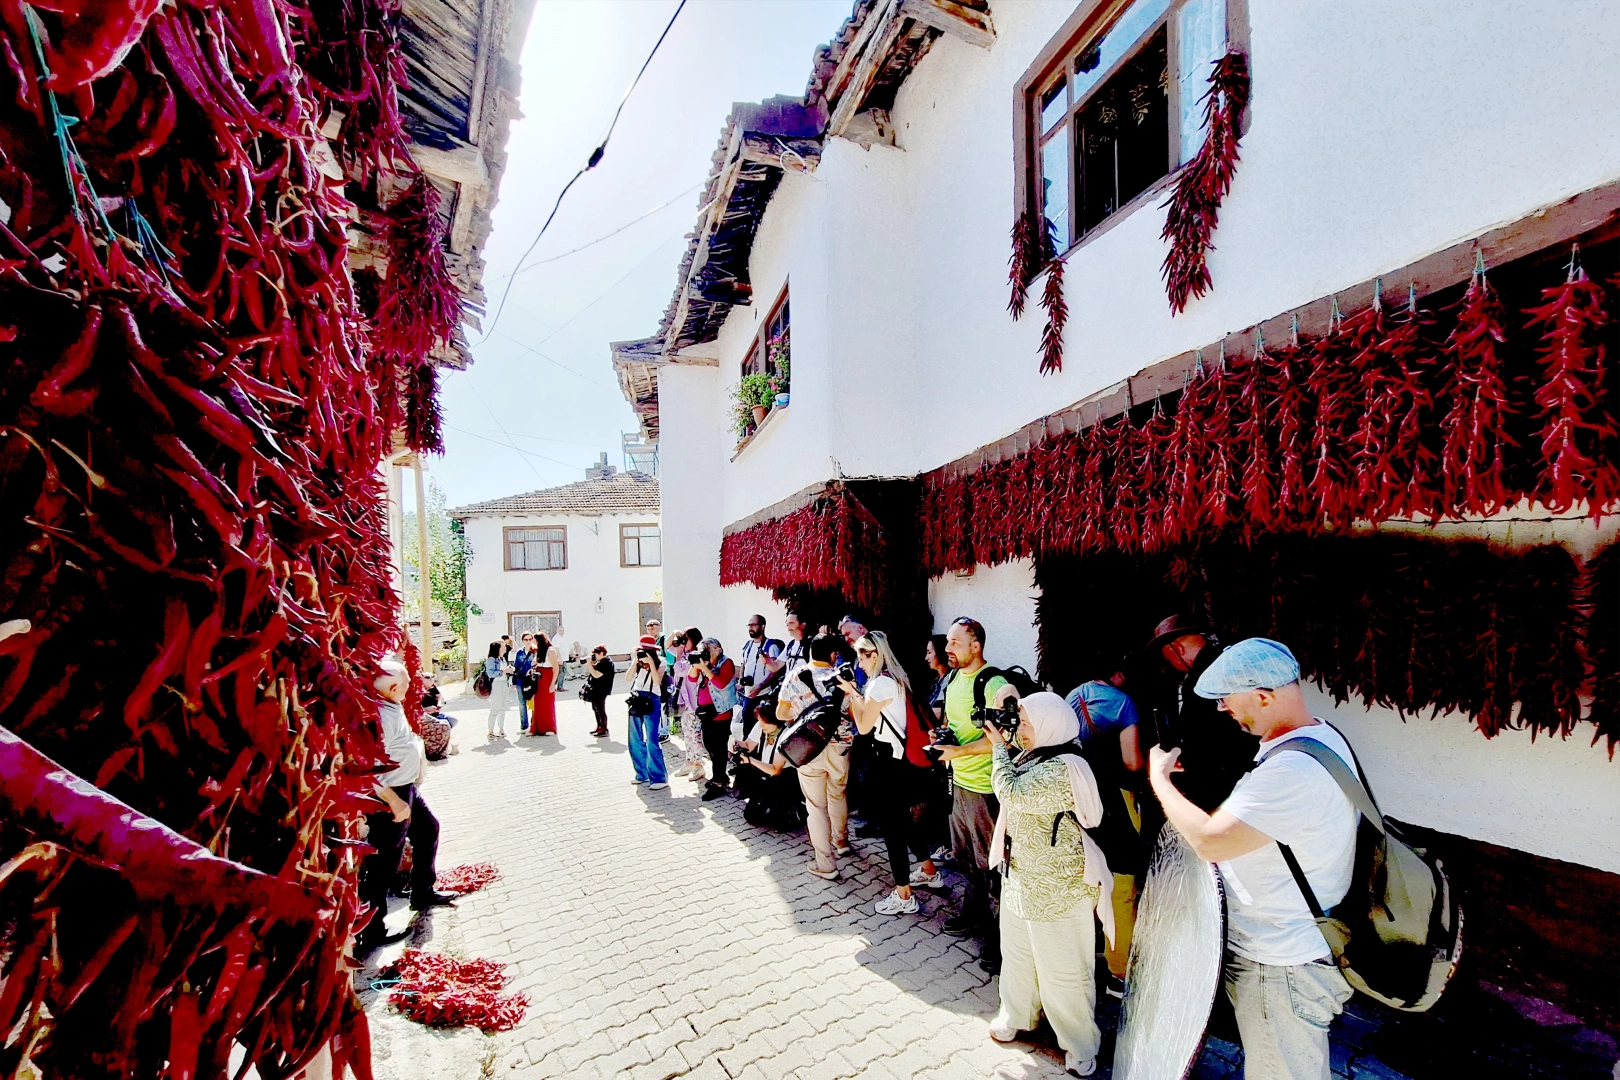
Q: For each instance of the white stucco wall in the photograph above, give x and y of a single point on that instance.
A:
(1379, 133)
(593, 577)
(1002, 598)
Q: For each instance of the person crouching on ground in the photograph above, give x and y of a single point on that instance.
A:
(1279, 972)
(901, 769)
(407, 815)
(1054, 876)
(766, 780)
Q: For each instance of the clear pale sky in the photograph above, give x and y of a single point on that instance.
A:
(545, 375)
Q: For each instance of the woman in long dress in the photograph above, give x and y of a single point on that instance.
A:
(543, 710)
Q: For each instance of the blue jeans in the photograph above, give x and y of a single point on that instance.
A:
(645, 753)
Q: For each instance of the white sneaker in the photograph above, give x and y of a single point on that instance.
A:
(1002, 1034)
(936, 880)
(637, 783)
(824, 875)
(895, 904)
(657, 787)
(1079, 1066)
(940, 854)
(844, 849)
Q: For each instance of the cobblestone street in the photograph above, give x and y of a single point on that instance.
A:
(657, 935)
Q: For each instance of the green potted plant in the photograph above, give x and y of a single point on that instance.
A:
(756, 392)
(782, 378)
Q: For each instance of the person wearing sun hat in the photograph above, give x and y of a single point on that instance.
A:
(1279, 972)
(1215, 754)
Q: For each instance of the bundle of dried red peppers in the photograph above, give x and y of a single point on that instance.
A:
(441, 991)
(192, 517)
(832, 543)
(1193, 209)
(468, 877)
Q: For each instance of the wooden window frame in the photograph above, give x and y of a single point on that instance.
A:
(640, 525)
(506, 551)
(1090, 21)
(757, 349)
(511, 628)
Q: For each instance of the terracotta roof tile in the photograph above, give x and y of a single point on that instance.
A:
(627, 491)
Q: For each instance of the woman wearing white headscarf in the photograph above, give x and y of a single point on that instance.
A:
(1053, 874)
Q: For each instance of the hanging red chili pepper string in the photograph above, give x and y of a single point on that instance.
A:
(1578, 434)
(1193, 209)
(1477, 403)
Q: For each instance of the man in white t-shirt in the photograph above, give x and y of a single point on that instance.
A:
(1279, 972)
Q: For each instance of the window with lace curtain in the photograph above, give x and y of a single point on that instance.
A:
(1113, 106)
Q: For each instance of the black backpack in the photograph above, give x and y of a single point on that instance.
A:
(1020, 680)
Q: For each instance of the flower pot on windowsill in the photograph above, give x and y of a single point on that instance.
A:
(759, 412)
(781, 399)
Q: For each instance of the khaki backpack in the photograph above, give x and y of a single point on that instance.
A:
(1397, 934)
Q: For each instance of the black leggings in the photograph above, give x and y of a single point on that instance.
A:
(717, 740)
(902, 793)
(599, 706)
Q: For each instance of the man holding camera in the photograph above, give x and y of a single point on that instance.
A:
(973, 802)
(825, 776)
(760, 664)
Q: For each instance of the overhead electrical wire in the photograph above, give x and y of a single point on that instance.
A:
(604, 236)
(593, 162)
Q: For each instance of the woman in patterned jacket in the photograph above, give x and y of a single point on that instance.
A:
(1053, 873)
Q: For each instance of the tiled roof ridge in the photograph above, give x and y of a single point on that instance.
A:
(621, 491)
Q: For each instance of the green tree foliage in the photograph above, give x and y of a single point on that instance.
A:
(448, 552)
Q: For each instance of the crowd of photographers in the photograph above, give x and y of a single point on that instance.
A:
(1044, 805)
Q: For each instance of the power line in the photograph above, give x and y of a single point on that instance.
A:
(608, 291)
(509, 441)
(593, 162)
(605, 236)
(519, 449)
(527, 348)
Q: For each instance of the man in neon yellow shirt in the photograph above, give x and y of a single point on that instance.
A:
(973, 806)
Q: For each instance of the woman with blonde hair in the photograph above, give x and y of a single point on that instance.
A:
(902, 770)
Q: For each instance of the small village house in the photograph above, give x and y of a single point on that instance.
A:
(581, 562)
(848, 416)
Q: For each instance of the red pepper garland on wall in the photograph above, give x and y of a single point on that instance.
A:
(833, 543)
(1193, 209)
(192, 517)
(1384, 416)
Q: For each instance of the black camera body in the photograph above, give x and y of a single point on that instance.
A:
(1004, 720)
(941, 737)
(845, 671)
(695, 656)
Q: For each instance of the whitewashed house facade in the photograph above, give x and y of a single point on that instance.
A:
(1385, 142)
(585, 559)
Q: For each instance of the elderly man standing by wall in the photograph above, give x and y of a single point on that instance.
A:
(1279, 972)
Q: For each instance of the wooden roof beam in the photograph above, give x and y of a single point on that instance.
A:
(954, 18)
(867, 69)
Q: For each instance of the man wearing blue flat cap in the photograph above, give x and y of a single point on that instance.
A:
(1279, 971)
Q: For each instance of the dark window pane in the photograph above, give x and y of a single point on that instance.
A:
(1093, 64)
(1054, 103)
(1055, 187)
(1123, 135)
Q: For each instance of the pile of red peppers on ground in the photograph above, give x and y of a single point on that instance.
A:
(192, 518)
(441, 991)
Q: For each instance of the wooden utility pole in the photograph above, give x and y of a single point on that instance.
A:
(422, 561)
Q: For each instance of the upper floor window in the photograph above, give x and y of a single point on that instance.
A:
(769, 353)
(639, 545)
(541, 548)
(1114, 105)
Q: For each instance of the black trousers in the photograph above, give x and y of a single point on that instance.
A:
(901, 794)
(388, 837)
(599, 707)
(716, 740)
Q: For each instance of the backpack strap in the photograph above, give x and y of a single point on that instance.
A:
(1348, 782)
